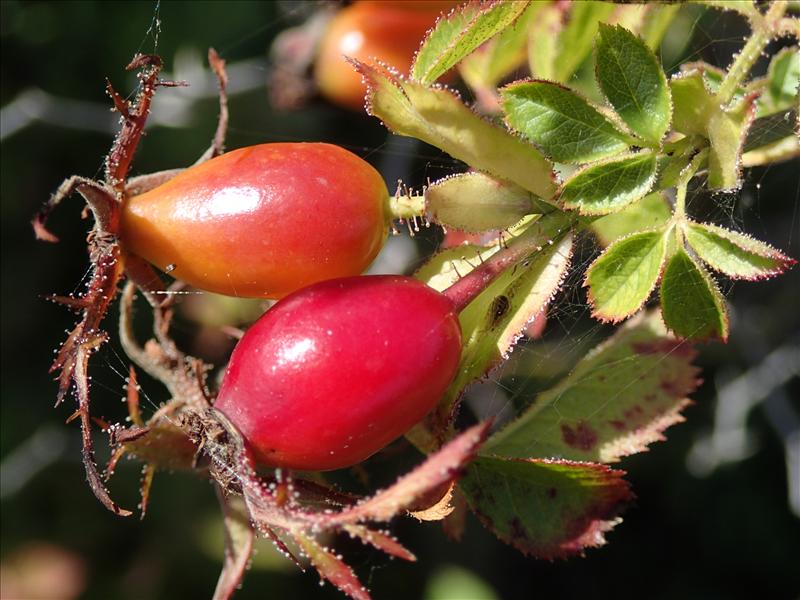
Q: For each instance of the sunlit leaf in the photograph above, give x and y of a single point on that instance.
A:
(618, 399)
(548, 509)
(651, 212)
(564, 125)
(691, 304)
(501, 55)
(621, 279)
(439, 118)
(459, 33)
(603, 188)
(735, 254)
(634, 83)
(477, 202)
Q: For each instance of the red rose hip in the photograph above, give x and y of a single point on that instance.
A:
(334, 372)
(262, 221)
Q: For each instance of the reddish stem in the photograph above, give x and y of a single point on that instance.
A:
(544, 231)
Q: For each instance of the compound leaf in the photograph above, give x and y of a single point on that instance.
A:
(621, 278)
(616, 401)
(547, 509)
(498, 57)
(603, 188)
(459, 33)
(634, 83)
(691, 304)
(735, 254)
(438, 117)
(564, 125)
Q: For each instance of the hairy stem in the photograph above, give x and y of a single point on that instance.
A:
(406, 206)
(763, 31)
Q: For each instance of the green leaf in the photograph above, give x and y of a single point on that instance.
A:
(621, 278)
(439, 118)
(577, 37)
(783, 78)
(691, 304)
(696, 112)
(477, 202)
(651, 212)
(735, 254)
(634, 83)
(493, 322)
(547, 509)
(501, 55)
(459, 33)
(543, 42)
(564, 125)
(617, 400)
(603, 188)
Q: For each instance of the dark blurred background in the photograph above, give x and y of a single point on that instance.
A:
(713, 518)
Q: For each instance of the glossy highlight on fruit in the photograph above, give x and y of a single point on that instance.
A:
(262, 221)
(388, 31)
(334, 372)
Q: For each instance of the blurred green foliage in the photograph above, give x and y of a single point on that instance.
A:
(730, 535)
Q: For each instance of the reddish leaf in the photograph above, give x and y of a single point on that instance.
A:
(332, 568)
(239, 536)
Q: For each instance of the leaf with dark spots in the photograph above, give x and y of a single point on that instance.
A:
(617, 400)
(548, 509)
(582, 436)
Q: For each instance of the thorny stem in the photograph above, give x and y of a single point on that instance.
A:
(546, 230)
(763, 31)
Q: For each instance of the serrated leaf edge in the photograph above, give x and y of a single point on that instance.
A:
(719, 300)
(590, 297)
(600, 163)
(664, 78)
(785, 262)
(624, 137)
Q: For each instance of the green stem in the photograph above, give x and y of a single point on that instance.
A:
(406, 206)
(679, 216)
(762, 33)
